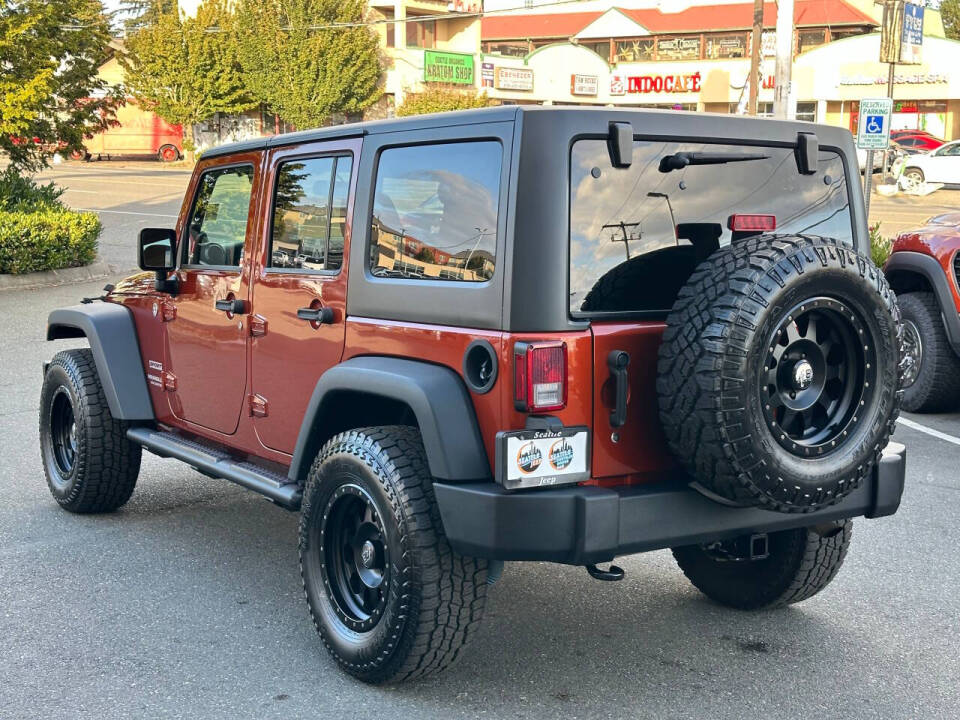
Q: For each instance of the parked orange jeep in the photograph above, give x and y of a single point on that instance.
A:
(511, 334)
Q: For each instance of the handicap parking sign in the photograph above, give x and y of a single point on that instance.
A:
(873, 129)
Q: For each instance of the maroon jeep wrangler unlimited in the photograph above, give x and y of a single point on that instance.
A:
(511, 334)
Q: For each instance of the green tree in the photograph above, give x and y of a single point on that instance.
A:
(441, 99)
(950, 14)
(187, 69)
(50, 51)
(301, 70)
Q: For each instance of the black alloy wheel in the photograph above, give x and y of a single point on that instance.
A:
(819, 371)
(63, 435)
(355, 560)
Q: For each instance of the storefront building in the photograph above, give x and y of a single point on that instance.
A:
(437, 44)
(648, 58)
(926, 96)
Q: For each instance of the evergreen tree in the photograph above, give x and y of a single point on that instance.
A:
(187, 69)
(50, 95)
(302, 72)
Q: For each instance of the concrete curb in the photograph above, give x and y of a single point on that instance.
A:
(52, 278)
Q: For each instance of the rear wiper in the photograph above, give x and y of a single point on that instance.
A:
(680, 160)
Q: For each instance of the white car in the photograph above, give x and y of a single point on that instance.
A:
(937, 166)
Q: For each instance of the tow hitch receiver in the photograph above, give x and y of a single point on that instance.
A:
(612, 574)
(741, 549)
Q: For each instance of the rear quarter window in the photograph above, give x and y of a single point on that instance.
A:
(637, 233)
(435, 212)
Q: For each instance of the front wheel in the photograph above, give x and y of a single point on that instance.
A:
(799, 564)
(90, 464)
(389, 597)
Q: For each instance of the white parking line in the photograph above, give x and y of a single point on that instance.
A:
(929, 431)
(125, 212)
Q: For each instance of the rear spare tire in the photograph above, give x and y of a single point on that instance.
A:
(779, 372)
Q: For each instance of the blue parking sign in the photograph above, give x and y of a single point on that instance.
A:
(874, 125)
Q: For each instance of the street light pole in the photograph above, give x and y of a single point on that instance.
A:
(782, 71)
(754, 77)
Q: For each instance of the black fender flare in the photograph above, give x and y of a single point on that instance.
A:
(109, 329)
(435, 394)
(926, 266)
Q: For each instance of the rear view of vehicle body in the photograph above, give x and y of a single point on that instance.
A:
(510, 334)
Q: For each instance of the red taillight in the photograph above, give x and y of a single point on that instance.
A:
(752, 223)
(540, 376)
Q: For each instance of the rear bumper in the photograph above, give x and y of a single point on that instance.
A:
(581, 525)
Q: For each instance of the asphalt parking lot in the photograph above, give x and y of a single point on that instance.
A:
(187, 602)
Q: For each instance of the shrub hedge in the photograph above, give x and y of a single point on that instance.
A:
(47, 238)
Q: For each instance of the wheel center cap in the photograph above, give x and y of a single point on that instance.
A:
(367, 554)
(802, 375)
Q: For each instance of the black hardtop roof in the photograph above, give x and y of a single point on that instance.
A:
(749, 127)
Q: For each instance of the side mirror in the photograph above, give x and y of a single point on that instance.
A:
(156, 252)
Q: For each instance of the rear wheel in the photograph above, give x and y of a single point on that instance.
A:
(389, 597)
(800, 563)
(931, 381)
(91, 466)
(168, 153)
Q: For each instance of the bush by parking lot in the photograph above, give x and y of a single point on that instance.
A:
(47, 239)
(37, 232)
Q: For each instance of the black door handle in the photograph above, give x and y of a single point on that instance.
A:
(617, 361)
(322, 315)
(234, 307)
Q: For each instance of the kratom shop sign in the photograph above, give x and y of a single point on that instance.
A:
(447, 67)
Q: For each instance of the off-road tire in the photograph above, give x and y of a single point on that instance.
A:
(106, 464)
(937, 385)
(801, 563)
(714, 352)
(434, 599)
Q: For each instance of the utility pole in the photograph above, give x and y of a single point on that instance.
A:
(781, 79)
(627, 236)
(757, 38)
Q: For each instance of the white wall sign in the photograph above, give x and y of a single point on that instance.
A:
(584, 84)
(513, 79)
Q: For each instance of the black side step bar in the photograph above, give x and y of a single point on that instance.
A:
(215, 463)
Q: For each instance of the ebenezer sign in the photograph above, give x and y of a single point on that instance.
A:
(513, 79)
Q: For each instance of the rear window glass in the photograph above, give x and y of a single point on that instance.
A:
(637, 233)
(435, 212)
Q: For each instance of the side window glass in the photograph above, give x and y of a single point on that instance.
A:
(309, 214)
(435, 212)
(218, 220)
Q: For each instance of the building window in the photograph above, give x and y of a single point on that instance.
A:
(391, 27)
(808, 39)
(678, 48)
(435, 211)
(841, 34)
(634, 50)
(600, 48)
(510, 49)
(726, 46)
(807, 111)
(421, 34)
